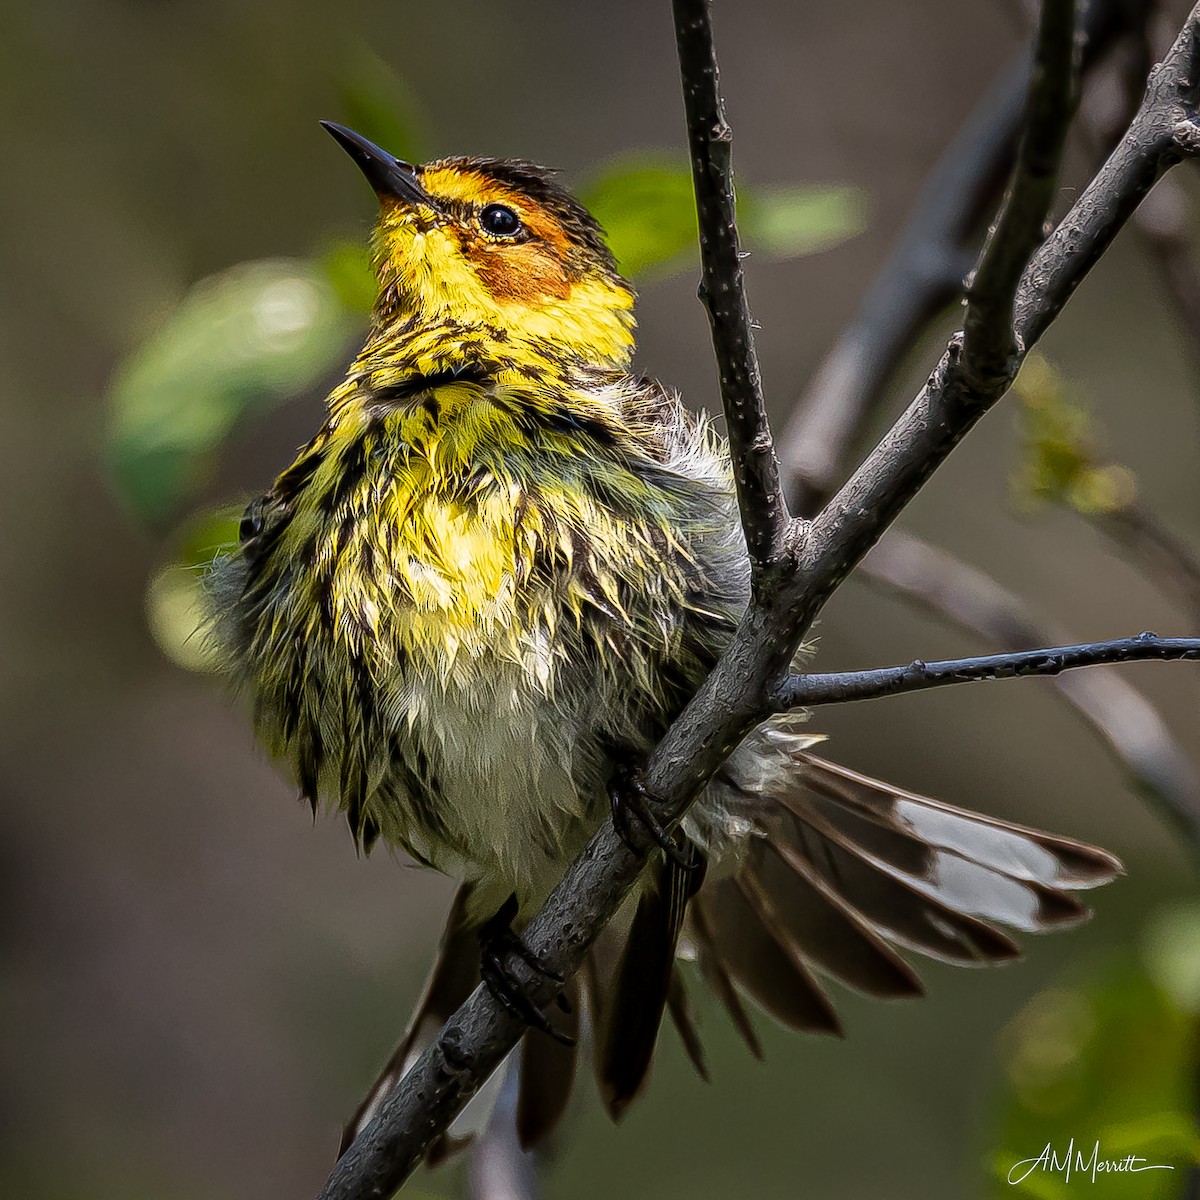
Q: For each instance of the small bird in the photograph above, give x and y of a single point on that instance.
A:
(480, 594)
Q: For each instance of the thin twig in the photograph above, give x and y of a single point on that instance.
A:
(735, 696)
(723, 290)
(839, 687)
(922, 275)
(958, 394)
(1120, 716)
(990, 344)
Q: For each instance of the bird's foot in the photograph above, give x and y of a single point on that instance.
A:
(627, 797)
(497, 943)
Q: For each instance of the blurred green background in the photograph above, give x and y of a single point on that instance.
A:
(195, 983)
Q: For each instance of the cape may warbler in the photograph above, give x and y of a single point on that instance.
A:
(484, 589)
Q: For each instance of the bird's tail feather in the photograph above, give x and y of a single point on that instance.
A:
(840, 873)
(645, 983)
(843, 872)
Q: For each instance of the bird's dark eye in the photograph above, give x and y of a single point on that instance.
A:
(499, 221)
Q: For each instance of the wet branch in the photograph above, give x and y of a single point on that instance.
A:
(924, 272)
(990, 345)
(723, 291)
(798, 564)
(922, 275)
(1126, 723)
(1005, 315)
(839, 687)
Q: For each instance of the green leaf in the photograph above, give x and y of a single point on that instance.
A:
(175, 609)
(792, 220)
(646, 205)
(1059, 461)
(1109, 1059)
(241, 342)
(1171, 948)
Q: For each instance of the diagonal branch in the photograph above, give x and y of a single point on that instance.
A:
(982, 361)
(1125, 721)
(921, 276)
(1164, 131)
(923, 273)
(990, 344)
(961, 390)
(839, 687)
(737, 693)
(723, 291)
(1165, 223)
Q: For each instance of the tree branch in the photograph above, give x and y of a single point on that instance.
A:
(839, 687)
(961, 388)
(981, 361)
(1163, 133)
(1165, 221)
(921, 276)
(990, 343)
(1164, 224)
(723, 290)
(1124, 720)
(736, 694)
(924, 272)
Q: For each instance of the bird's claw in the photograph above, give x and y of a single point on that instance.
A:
(627, 798)
(497, 943)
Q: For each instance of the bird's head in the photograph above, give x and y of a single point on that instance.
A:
(495, 244)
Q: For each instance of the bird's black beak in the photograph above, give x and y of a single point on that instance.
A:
(389, 176)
